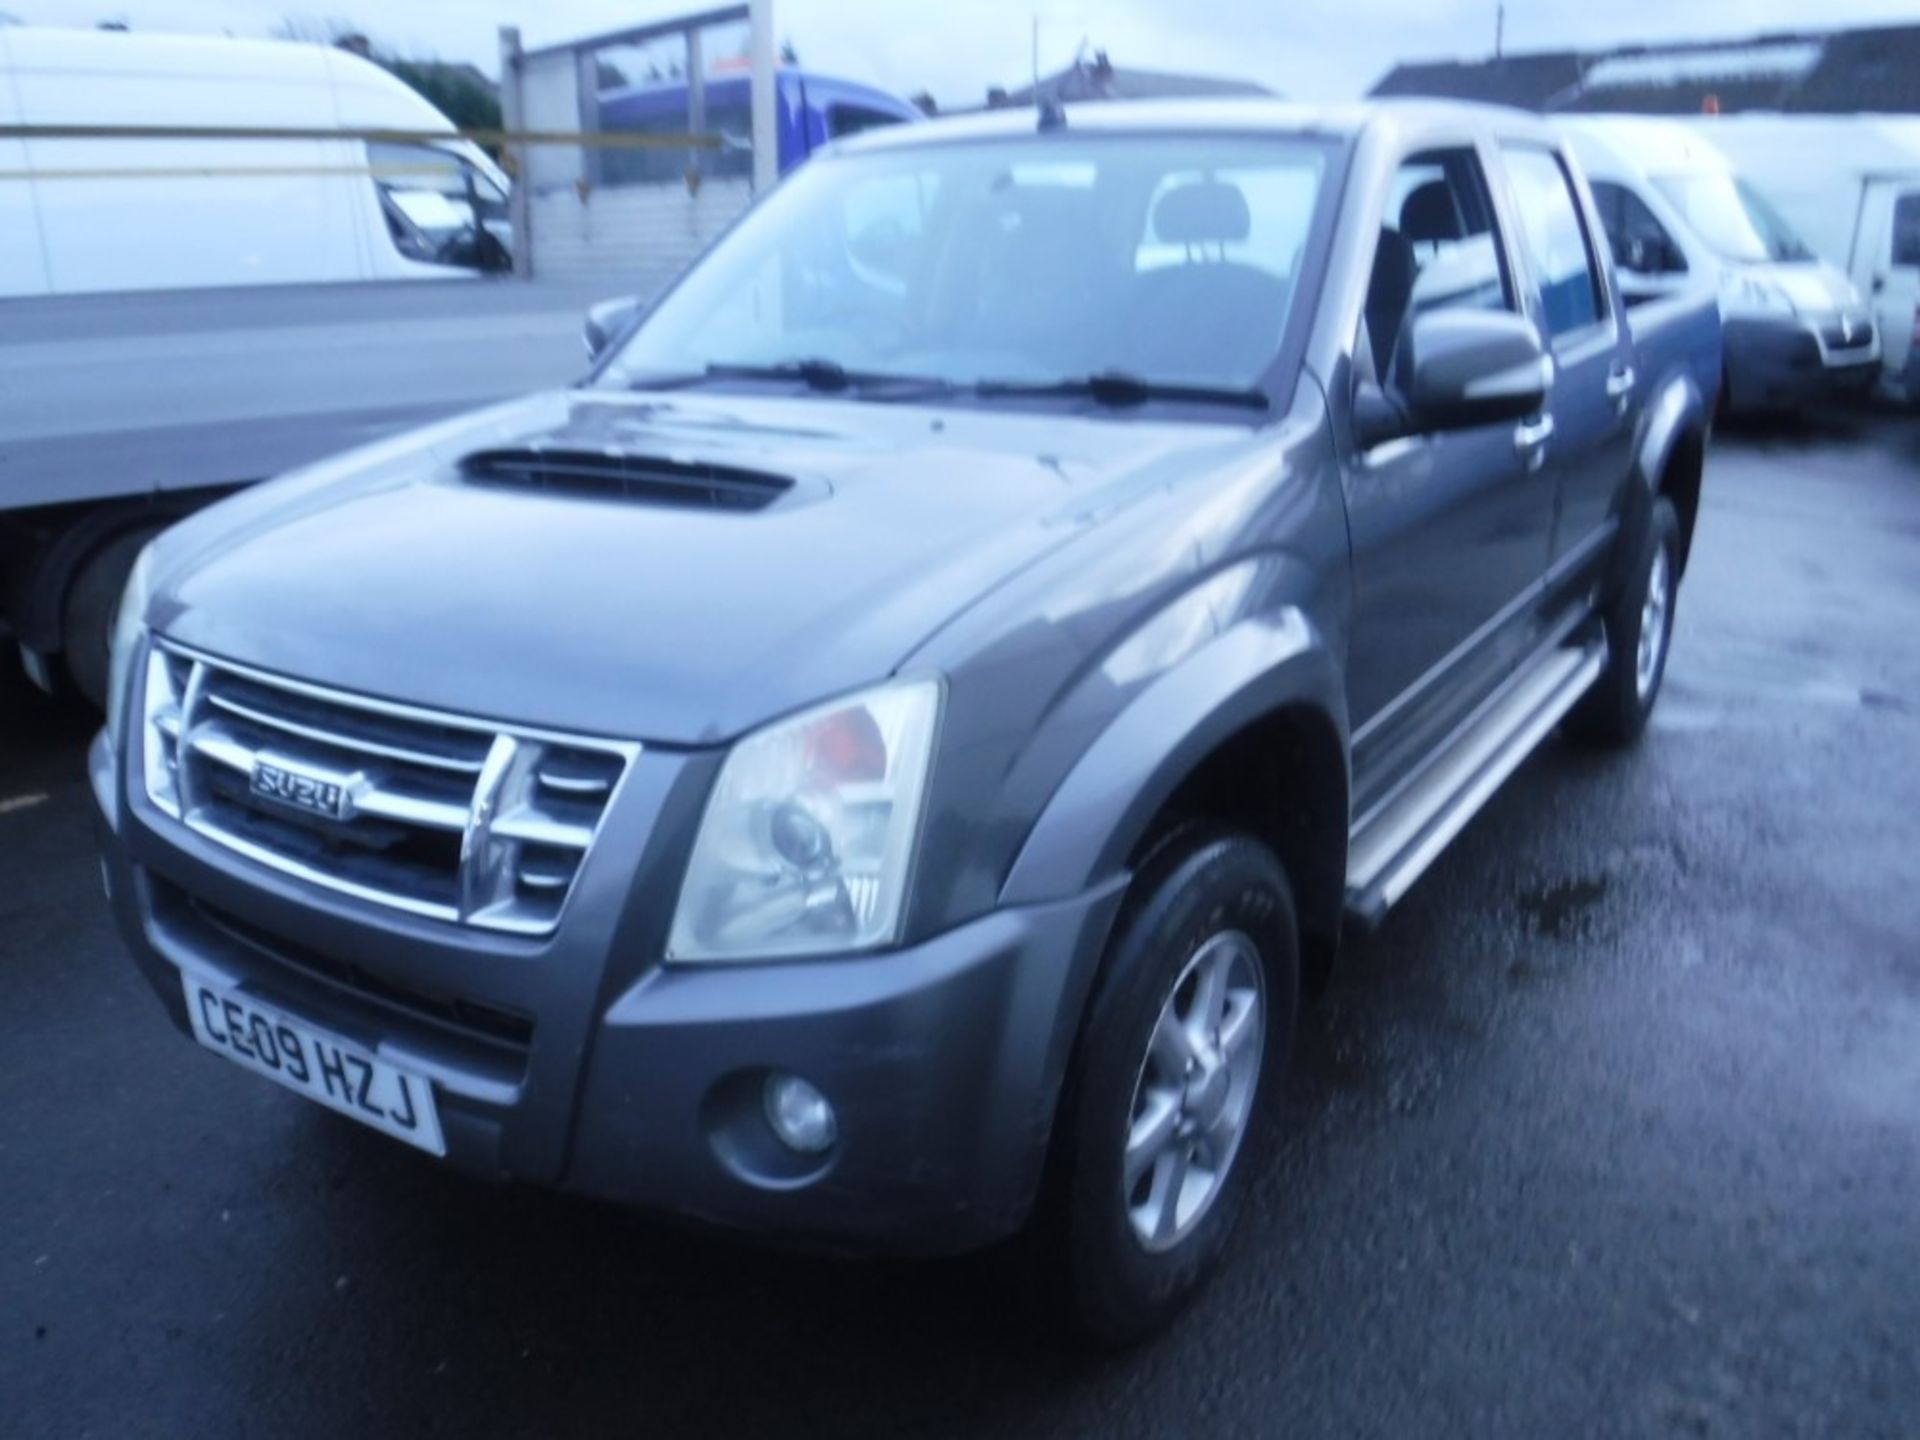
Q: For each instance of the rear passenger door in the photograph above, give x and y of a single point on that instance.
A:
(1585, 455)
(1449, 531)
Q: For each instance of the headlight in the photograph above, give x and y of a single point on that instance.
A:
(1752, 296)
(807, 844)
(128, 624)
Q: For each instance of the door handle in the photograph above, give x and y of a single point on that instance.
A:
(1530, 441)
(1620, 382)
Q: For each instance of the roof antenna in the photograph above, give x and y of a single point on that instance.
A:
(1499, 30)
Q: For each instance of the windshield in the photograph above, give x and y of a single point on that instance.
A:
(1732, 218)
(1029, 261)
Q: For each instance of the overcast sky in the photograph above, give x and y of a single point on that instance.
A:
(1315, 52)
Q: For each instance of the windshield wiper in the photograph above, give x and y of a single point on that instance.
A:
(814, 372)
(1120, 389)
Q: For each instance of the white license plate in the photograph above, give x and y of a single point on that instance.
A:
(322, 1067)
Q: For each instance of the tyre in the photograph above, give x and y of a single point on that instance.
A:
(93, 601)
(1167, 1108)
(1639, 626)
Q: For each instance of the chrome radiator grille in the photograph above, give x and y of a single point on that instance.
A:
(433, 814)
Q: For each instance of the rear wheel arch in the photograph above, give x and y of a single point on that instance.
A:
(1679, 480)
(1669, 459)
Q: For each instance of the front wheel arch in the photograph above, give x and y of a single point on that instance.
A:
(1267, 690)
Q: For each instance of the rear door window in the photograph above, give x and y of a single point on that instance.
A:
(1554, 240)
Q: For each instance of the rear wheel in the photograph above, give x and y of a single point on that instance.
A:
(1639, 627)
(93, 601)
(1167, 1107)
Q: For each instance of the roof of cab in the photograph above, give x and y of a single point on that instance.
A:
(274, 82)
(1232, 115)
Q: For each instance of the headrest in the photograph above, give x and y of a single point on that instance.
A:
(1428, 214)
(1206, 212)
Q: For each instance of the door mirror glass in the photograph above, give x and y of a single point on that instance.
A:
(1456, 369)
(609, 321)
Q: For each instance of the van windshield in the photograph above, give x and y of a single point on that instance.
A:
(1732, 218)
(1032, 261)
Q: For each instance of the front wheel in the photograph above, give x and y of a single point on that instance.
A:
(1167, 1107)
(1639, 626)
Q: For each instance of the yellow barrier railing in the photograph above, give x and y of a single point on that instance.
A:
(590, 139)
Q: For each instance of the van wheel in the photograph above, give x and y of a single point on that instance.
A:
(1639, 626)
(1167, 1110)
(93, 602)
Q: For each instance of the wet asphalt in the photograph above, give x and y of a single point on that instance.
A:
(1614, 1128)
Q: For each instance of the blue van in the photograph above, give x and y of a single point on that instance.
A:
(810, 110)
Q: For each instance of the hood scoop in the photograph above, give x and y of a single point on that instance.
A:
(611, 474)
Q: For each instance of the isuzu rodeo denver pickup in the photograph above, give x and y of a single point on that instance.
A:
(879, 763)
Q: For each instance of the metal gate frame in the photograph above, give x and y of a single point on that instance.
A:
(579, 57)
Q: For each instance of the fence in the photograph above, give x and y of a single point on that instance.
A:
(639, 212)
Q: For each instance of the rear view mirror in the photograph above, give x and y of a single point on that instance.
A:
(609, 321)
(1455, 369)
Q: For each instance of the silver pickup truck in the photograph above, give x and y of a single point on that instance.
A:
(881, 763)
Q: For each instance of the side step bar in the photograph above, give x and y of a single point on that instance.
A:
(1391, 849)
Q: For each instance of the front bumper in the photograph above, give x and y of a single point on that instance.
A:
(583, 1064)
(1788, 362)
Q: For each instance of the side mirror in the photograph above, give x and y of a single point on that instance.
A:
(609, 321)
(1454, 370)
(1458, 369)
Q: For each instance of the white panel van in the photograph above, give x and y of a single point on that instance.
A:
(99, 214)
(1851, 185)
(1796, 328)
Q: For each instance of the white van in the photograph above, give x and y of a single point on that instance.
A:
(1851, 185)
(98, 214)
(1675, 208)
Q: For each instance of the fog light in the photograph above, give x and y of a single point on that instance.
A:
(800, 1115)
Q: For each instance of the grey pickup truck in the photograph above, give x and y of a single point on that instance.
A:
(880, 763)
